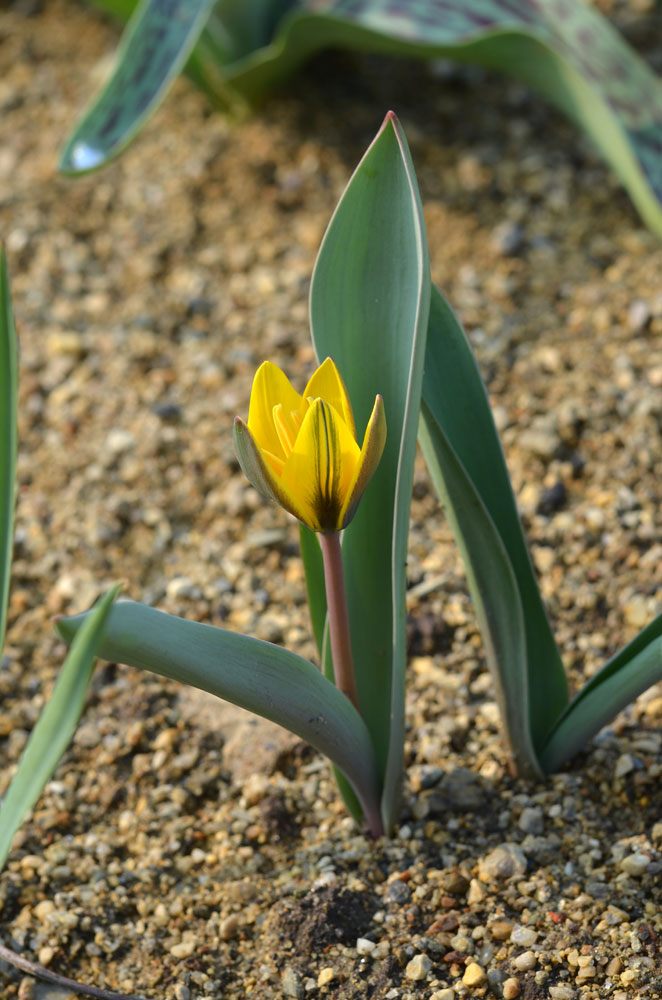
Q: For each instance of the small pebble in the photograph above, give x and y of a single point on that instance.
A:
(229, 927)
(292, 985)
(326, 976)
(182, 588)
(531, 820)
(502, 863)
(184, 949)
(639, 315)
(624, 765)
(476, 894)
(506, 238)
(26, 989)
(524, 936)
(418, 968)
(635, 864)
(119, 441)
(501, 930)
(474, 975)
(398, 892)
(527, 960)
(614, 966)
(511, 989)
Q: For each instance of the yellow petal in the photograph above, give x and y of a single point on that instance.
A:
(321, 468)
(371, 453)
(258, 470)
(287, 426)
(327, 384)
(270, 387)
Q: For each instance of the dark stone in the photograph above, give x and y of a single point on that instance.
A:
(169, 413)
(553, 499)
(398, 892)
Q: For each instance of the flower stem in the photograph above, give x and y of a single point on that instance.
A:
(336, 600)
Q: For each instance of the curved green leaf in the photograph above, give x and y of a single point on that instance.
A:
(8, 438)
(463, 452)
(369, 303)
(566, 51)
(55, 726)
(622, 679)
(265, 679)
(155, 46)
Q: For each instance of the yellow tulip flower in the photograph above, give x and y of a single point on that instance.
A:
(302, 450)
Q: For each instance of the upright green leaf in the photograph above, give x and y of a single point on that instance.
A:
(265, 679)
(622, 679)
(8, 438)
(55, 726)
(155, 46)
(369, 305)
(313, 563)
(463, 452)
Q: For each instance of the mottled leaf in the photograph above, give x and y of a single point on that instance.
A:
(155, 47)
(563, 48)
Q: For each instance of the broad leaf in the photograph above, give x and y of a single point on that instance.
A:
(265, 679)
(369, 305)
(464, 455)
(55, 726)
(622, 679)
(566, 51)
(8, 438)
(154, 48)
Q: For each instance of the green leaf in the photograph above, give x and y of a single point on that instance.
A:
(462, 449)
(313, 565)
(55, 726)
(8, 438)
(566, 51)
(622, 679)
(154, 48)
(256, 675)
(369, 304)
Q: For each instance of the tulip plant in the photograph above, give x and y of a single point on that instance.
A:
(400, 358)
(238, 50)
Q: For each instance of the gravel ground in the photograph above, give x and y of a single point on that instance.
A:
(183, 851)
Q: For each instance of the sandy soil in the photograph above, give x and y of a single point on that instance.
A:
(182, 851)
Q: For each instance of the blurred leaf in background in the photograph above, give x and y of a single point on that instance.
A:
(239, 51)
